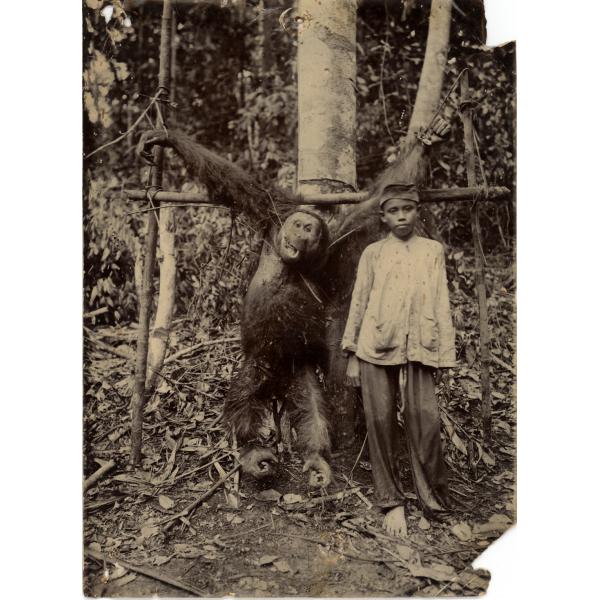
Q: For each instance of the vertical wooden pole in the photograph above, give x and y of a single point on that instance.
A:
(484, 333)
(159, 334)
(139, 396)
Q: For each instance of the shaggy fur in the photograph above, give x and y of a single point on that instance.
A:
(282, 338)
(226, 183)
(282, 321)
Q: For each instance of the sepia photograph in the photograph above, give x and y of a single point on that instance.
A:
(299, 297)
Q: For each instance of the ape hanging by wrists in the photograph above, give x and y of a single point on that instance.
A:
(282, 324)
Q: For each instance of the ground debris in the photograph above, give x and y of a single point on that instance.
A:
(280, 537)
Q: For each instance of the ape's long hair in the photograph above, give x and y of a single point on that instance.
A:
(229, 185)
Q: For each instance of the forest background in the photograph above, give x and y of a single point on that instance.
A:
(235, 91)
(233, 77)
(56, 227)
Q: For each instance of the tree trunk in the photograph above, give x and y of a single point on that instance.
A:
(327, 152)
(326, 95)
(139, 395)
(159, 337)
(408, 167)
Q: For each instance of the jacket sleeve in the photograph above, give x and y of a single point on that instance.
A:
(360, 299)
(447, 351)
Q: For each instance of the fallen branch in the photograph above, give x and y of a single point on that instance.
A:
(321, 499)
(106, 347)
(107, 433)
(147, 571)
(192, 506)
(196, 469)
(95, 313)
(502, 364)
(91, 506)
(195, 347)
(95, 477)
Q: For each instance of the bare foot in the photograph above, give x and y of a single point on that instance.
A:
(394, 522)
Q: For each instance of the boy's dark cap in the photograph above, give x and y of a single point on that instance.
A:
(403, 191)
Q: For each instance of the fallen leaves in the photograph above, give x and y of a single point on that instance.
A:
(148, 531)
(254, 583)
(166, 502)
(266, 559)
(496, 523)
(269, 495)
(207, 551)
(405, 552)
(462, 531)
(292, 498)
(282, 565)
(157, 561)
(192, 432)
(187, 551)
(233, 519)
(435, 571)
(122, 581)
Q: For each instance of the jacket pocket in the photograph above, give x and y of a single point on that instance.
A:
(429, 333)
(384, 337)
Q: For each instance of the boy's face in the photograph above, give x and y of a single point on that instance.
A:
(400, 216)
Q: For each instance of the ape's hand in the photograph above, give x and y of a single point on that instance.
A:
(149, 139)
(319, 471)
(436, 132)
(259, 462)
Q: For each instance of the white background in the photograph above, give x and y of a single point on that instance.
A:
(552, 552)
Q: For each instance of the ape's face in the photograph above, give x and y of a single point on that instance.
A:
(299, 238)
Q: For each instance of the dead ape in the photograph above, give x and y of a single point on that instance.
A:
(282, 323)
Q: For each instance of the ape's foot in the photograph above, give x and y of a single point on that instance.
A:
(319, 471)
(259, 462)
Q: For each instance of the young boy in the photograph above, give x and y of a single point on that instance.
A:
(399, 331)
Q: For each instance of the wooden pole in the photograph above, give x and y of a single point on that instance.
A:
(456, 194)
(159, 336)
(484, 333)
(139, 396)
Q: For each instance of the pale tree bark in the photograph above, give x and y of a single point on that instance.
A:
(159, 337)
(327, 151)
(429, 92)
(139, 389)
(408, 166)
(326, 95)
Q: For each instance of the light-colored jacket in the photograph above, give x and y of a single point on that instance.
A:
(400, 309)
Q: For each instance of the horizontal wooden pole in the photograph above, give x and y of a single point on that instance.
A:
(456, 194)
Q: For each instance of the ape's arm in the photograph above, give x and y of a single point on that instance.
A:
(410, 166)
(227, 184)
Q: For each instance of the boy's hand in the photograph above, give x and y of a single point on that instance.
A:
(353, 372)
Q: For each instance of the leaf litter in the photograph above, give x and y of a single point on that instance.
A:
(186, 450)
